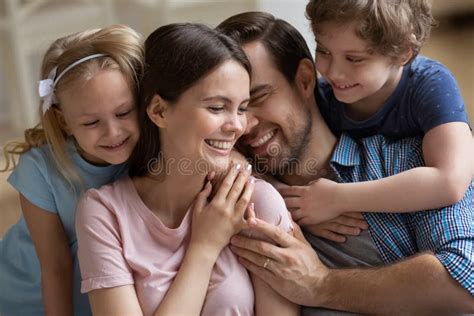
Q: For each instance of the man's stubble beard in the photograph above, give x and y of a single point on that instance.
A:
(289, 154)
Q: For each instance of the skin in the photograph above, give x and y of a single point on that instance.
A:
(294, 269)
(210, 111)
(101, 115)
(364, 80)
(105, 100)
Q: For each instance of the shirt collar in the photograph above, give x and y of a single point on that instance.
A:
(347, 152)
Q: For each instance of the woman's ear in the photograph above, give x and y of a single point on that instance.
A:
(156, 111)
(305, 78)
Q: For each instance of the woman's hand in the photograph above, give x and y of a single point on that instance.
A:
(215, 222)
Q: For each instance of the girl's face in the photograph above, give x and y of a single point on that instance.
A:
(101, 115)
(199, 130)
(355, 73)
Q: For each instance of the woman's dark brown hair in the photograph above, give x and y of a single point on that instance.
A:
(177, 56)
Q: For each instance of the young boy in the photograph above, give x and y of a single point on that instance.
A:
(374, 82)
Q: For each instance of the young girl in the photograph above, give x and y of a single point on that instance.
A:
(374, 83)
(88, 128)
(147, 245)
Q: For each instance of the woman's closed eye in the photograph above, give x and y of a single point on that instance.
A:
(216, 108)
(243, 109)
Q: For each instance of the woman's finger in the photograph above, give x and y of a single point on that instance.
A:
(239, 185)
(243, 202)
(201, 198)
(227, 182)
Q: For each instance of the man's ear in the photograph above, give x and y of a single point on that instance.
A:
(156, 111)
(305, 78)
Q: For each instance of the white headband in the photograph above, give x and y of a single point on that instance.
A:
(47, 86)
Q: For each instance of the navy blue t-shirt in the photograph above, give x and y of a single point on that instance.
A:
(426, 96)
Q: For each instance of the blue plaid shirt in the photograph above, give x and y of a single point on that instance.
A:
(447, 232)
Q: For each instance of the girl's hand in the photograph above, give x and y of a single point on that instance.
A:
(215, 222)
(350, 224)
(314, 203)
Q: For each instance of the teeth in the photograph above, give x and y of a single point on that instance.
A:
(219, 144)
(345, 86)
(116, 145)
(265, 138)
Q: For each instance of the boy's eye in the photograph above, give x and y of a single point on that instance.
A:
(355, 59)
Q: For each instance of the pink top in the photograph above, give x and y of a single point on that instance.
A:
(122, 242)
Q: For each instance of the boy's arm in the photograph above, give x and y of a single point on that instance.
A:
(52, 248)
(443, 181)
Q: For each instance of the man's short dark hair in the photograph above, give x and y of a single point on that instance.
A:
(285, 43)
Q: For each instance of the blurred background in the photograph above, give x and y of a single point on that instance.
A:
(27, 27)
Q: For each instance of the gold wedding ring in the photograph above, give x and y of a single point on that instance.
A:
(265, 264)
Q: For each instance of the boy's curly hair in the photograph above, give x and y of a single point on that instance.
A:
(390, 27)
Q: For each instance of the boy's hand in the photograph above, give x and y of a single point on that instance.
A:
(314, 203)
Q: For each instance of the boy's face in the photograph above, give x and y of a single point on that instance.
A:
(357, 75)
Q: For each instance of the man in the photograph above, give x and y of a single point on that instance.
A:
(413, 262)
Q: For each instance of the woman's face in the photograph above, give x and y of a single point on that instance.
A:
(199, 130)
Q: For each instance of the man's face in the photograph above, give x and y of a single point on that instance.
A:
(279, 122)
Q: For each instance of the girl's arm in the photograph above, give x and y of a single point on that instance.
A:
(52, 248)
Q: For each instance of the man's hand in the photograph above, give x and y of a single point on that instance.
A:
(291, 267)
(350, 224)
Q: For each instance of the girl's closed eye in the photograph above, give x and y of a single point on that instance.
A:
(91, 123)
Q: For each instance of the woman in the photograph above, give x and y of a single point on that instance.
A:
(151, 243)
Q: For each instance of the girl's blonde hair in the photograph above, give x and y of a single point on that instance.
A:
(123, 48)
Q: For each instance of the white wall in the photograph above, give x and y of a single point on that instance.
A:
(291, 11)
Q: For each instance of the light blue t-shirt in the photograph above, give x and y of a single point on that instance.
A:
(39, 181)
